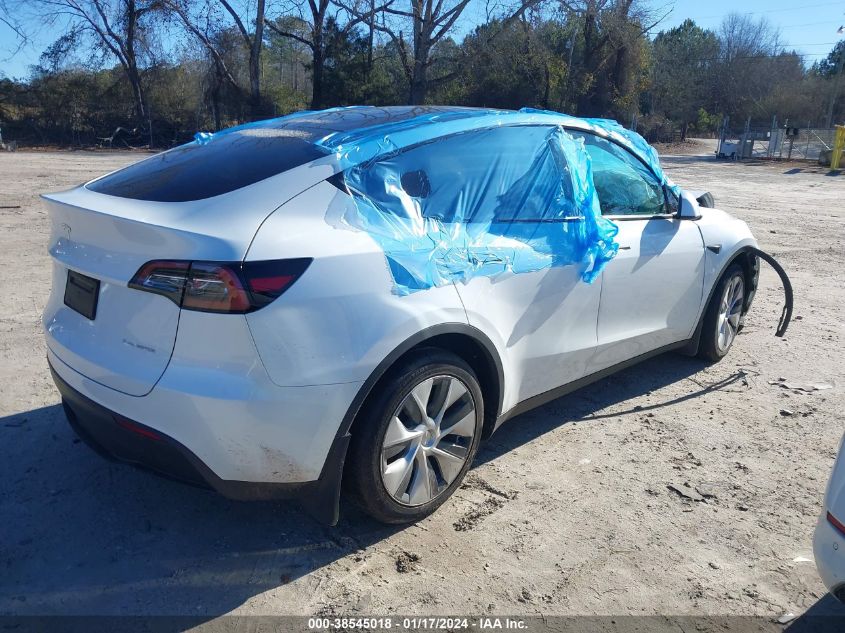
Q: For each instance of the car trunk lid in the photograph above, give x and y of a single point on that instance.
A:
(101, 241)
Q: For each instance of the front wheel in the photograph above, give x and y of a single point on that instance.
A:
(416, 440)
(722, 320)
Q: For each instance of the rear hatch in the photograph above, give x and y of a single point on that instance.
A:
(203, 201)
(115, 335)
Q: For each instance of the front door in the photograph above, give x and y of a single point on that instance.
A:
(652, 290)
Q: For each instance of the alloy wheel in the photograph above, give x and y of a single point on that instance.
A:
(428, 440)
(730, 312)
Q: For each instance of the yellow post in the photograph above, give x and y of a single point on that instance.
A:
(838, 146)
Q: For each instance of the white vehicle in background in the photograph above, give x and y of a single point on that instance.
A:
(208, 322)
(829, 539)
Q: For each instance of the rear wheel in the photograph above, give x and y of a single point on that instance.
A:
(722, 321)
(416, 440)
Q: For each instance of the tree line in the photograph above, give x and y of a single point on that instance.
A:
(153, 72)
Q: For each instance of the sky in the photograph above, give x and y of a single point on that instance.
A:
(808, 27)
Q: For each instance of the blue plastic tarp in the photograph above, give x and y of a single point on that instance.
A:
(454, 194)
(466, 193)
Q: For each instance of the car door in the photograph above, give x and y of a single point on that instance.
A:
(543, 321)
(652, 290)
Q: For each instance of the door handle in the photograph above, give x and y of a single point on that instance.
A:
(624, 248)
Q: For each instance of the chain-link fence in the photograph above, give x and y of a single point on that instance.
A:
(774, 141)
(807, 143)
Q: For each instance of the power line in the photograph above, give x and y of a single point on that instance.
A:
(802, 8)
(761, 56)
(796, 26)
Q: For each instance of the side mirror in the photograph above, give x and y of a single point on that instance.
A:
(688, 209)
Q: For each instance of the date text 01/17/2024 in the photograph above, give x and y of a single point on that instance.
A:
(416, 623)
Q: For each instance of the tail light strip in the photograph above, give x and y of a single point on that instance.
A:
(226, 287)
(836, 523)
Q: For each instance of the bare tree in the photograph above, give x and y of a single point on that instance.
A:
(312, 38)
(204, 29)
(205, 19)
(117, 26)
(13, 23)
(314, 34)
(746, 48)
(254, 41)
(430, 22)
(741, 37)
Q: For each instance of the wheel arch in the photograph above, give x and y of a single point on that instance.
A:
(750, 264)
(468, 342)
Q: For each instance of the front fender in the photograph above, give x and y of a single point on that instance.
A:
(725, 237)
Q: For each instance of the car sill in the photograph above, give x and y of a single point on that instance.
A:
(558, 392)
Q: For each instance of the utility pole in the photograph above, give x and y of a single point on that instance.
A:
(837, 86)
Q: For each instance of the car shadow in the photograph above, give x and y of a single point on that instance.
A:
(825, 616)
(583, 404)
(83, 536)
(681, 159)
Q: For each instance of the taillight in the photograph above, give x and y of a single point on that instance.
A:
(836, 523)
(230, 287)
(213, 287)
(163, 278)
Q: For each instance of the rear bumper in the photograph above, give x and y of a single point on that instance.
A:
(283, 442)
(829, 552)
(118, 438)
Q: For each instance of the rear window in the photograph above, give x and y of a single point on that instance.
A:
(229, 161)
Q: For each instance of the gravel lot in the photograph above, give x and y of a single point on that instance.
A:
(568, 510)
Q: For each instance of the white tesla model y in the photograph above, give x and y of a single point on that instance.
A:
(362, 295)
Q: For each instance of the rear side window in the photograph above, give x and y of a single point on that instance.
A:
(500, 175)
(231, 160)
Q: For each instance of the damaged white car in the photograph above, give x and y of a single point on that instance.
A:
(363, 295)
(829, 537)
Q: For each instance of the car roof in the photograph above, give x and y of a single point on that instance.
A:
(318, 124)
(357, 133)
(339, 138)
(349, 118)
(353, 135)
(406, 126)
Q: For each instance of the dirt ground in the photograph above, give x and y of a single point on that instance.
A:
(568, 510)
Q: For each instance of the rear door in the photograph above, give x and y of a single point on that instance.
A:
(652, 290)
(543, 320)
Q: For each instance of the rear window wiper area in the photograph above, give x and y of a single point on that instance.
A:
(786, 314)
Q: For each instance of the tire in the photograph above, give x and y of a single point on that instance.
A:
(401, 474)
(723, 318)
(706, 200)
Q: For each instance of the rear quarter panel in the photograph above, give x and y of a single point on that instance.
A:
(341, 318)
